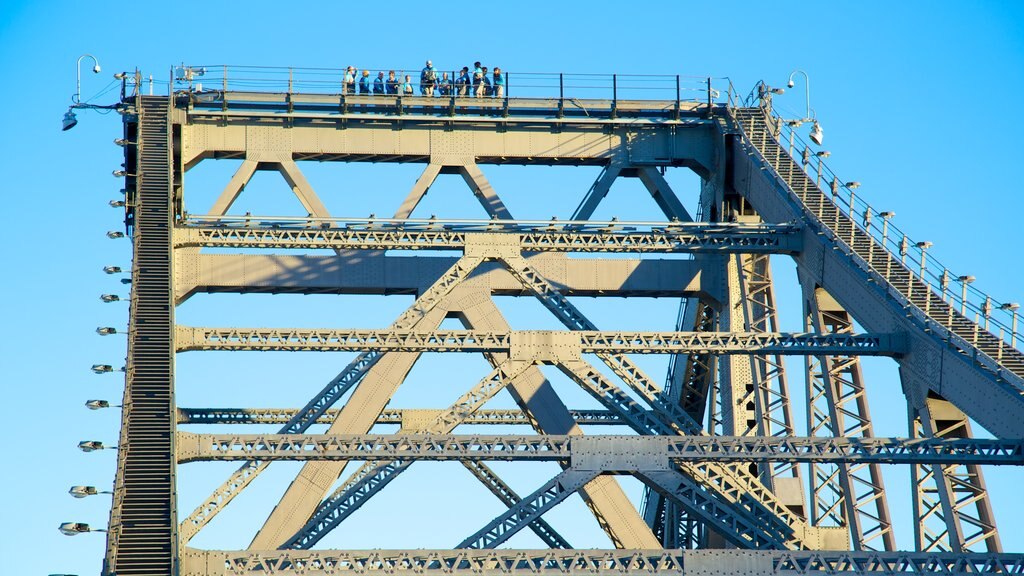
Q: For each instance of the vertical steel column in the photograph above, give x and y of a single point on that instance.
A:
(952, 510)
(842, 495)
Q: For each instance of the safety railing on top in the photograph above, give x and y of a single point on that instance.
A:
(538, 85)
(999, 318)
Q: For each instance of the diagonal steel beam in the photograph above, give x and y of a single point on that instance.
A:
(370, 479)
(234, 187)
(728, 480)
(549, 495)
(330, 394)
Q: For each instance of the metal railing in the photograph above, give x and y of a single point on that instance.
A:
(538, 85)
(1001, 319)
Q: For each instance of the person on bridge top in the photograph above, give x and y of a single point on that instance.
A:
(392, 83)
(378, 83)
(499, 83)
(350, 80)
(444, 86)
(407, 86)
(485, 82)
(462, 82)
(364, 82)
(428, 77)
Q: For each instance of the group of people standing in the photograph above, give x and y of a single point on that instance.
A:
(477, 84)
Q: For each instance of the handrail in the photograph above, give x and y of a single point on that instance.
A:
(1000, 319)
(546, 85)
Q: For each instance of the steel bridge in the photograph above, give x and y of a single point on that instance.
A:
(733, 484)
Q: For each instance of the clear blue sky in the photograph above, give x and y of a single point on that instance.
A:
(918, 102)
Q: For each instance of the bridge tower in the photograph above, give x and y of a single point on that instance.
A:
(752, 461)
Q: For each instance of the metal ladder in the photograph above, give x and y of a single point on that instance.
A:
(970, 333)
(142, 531)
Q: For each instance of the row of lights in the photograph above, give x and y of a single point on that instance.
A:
(88, 446)
(817, 136)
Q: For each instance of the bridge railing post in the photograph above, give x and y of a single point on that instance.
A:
(678, 97)
(615, 96)
(561, 95)
(224, 87)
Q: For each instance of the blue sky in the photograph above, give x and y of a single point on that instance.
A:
(917, 100)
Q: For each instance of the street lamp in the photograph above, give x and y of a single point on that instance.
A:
(97, 404)
(106, 330)
(70, 120)
(964, 281)
(78, 85)
(923, 247)
(93, 445)
(108, 298)
(76, 528)
(1012, 307)
(85, 491)
(115, 234)
(817, 135)
(112, 269)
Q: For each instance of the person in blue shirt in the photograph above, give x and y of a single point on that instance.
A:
(364, 82)
(444, 85)
(407, 86)
(462, 82)
(499, 83)
(486, 83)
(378, 84)
(478, 80)
(392, 83)
(428, 78)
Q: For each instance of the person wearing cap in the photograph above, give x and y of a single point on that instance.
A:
(378, 83)
(428, 77)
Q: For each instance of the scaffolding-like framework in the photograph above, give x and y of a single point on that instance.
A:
(730, 485)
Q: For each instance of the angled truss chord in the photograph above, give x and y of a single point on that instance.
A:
(549, 495)
(370, 479)
(330, 394)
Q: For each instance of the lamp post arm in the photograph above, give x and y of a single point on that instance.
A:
(78, 84)
(807, 90)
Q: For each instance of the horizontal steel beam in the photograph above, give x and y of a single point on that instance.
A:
(539, 345)
(505, 562)
(284, 415)
(383, 274)
(550, 237)
(605, 453)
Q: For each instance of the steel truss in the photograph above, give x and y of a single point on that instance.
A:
(553, 237)
(585, 342)
(207, 447)
(589, 562)
(716, 447)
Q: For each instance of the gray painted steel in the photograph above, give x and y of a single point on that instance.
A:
(715, 447)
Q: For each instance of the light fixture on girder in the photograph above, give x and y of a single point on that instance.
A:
(112, 269)
(852, 185)
(823, 154)
(117, 203)
(115, 234)
(97, 404)
(106, 330)
(70, 120)
(108, 298)
(817, 135)
(76, 528)
(93, 445)
(84, 491)
(105, 368)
